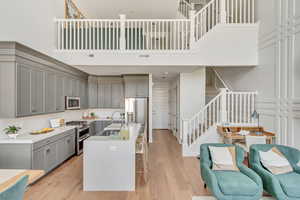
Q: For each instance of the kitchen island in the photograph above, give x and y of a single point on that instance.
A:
(109, 162)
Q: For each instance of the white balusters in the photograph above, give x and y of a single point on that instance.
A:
(226, 107)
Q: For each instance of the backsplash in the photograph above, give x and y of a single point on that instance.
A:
(42, 121)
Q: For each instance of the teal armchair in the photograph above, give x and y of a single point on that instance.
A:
(230, 185)
(16, 191)
(282, 186)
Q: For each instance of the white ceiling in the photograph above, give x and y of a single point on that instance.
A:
(132, 8)
(163, 73)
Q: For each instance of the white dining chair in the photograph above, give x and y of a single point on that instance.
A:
(249, 140)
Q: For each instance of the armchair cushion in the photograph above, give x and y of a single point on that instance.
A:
(290, 183)
(236, 183)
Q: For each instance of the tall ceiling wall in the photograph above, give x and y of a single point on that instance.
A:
(277, 78)
(111, 9)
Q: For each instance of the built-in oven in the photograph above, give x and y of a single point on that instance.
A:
(72, 103)
(82, 134)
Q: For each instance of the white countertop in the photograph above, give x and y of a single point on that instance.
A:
(134, 131)
(28, 138)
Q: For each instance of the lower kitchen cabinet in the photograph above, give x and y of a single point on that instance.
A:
(44, 155)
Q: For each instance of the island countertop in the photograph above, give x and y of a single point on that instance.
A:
(134, 131)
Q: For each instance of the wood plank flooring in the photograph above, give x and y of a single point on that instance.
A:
(172, 177)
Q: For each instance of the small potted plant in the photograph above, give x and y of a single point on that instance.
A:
(12, 131)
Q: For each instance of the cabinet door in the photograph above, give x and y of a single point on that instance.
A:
(37, 91)
(117, 96)
(93, 93)
(142, 88)
(50, 156)
(23, 91)
(93, 128)
(130, 88)
(70, 145)
(50, 99)
(106, 93)
(75, 88)
(61, 151)
(38, 159)
(83, 97)
(68, 86)
(60, 99)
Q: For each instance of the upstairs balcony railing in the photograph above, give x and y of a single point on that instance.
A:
(150, 34)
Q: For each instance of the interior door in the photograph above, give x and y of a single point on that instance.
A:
(160, 105)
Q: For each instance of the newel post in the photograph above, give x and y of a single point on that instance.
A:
(185, 130)
(223, 14)
(193, 26)
(122, 32)
(223, 114)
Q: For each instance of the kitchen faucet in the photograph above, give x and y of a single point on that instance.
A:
(121, 114)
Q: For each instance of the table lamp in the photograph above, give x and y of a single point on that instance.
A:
(255, 116)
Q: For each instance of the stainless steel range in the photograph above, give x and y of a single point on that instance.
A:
(82, 133)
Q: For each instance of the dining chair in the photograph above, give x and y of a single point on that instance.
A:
(15, 191)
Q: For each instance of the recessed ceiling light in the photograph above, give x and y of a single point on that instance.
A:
(91, 55)
(166, 73)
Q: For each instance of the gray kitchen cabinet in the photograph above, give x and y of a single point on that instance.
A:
(60, 98)
(50, 92)
(117, 95)
(110, 92)
(93, 128)
(45, 154)
(23, 90)
(136, 86)
(50, 156)
(68, 87)
(93, 92)
(37, 91)
(83, 94)
(33, 83)
(38, 159)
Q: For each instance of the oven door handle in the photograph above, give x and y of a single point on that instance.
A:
(83, 138)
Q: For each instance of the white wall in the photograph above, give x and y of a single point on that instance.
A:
(277, 78)
(192, 93)
(31, 22)
(132, 8)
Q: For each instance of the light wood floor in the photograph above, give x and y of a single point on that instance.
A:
(172, 177)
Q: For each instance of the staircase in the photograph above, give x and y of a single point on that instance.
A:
(228, 107)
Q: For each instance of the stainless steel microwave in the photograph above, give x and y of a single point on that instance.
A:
(72, 103)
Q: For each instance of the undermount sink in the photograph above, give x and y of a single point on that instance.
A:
(110, 133)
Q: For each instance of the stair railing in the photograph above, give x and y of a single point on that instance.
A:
(185, 7)
(227, 107)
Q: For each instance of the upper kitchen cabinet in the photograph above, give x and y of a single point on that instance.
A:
(50, 92)
(83, 94)
(60, 97)
(136, 86)
(106, 92)
(30, 91)
(32, 83)
(93, 92)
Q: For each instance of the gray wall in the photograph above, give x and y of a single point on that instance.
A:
(277, 78)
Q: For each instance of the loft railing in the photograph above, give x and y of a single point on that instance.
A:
(185, 7)
(150, 34)
(123, 34)
(227, 107)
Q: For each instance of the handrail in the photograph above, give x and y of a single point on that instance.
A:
(227, 106)
(204, 7)
(78, 15)
(220, 78)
